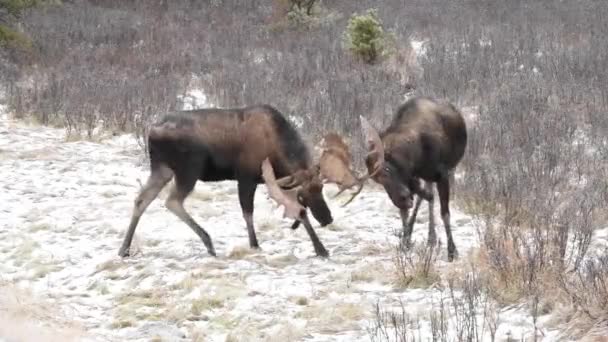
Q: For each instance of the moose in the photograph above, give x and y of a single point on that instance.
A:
(425, 140)
(214, 144)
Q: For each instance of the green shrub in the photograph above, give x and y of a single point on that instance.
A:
(365, 36)
(15, 7)
(296, 14)
(12, 39)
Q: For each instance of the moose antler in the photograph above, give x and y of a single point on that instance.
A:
(335, 164)
(297, 179)
(293, 209)
(335, 161)
(375, 145)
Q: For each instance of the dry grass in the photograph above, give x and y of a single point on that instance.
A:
(303, 301)
(110, 266)
(25, 249)
(587, 291)
(37, 227)
(333, 316)
(40, 270)
(240, 252)
(24, 317)
(151, 298)
(372, 272)
(281, 261)
(201, 195)
(203, 304)
(122, 323)
(415, 266)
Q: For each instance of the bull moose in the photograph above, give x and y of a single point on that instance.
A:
(215, 144)
(425, 141)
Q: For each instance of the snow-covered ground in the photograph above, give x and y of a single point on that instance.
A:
(65, 208)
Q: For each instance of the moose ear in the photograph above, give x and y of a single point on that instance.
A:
(375, 146)
(370, 134)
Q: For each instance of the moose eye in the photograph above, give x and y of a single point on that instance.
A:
(387, 169)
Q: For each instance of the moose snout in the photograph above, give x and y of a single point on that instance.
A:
(320, 211)
(407, 202)
(402, 201)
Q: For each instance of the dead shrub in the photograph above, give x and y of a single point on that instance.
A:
(415, 266)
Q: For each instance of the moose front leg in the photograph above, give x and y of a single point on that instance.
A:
(421, 193)
(246, 196)
(317, 244)
(408, 223)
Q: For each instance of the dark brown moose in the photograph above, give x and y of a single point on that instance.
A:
(425, 141)
(229, 144)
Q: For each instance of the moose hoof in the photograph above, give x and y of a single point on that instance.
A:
(211, 251)
(123, 252)
(406, 241)
(322, 253)
(253, 244)
(452, 255)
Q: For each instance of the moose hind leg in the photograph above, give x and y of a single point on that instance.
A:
(246, 197)
(432, 239)
(184, 183)
(443, 187)
(159, 177)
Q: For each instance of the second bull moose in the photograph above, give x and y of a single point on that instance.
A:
(232, 144)
(425, 141)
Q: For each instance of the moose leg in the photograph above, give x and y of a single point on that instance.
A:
(319, 248)
(421, 193)
(184, 183)
(406, 235)
(246, 196)
(443, 187)
(432, 239)
(408, 224)
(159, 177)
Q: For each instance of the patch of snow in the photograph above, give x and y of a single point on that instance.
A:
(420, 47)
(3, 112)
(194, 99)
(298, 121)
(485, 42)
(66, 207)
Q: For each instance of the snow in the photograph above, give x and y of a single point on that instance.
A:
(420, 47)
(193, 99)
(66, 206)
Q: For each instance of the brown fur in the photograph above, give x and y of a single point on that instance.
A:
(228, 144)
(425, 141)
